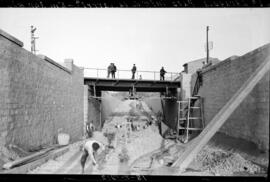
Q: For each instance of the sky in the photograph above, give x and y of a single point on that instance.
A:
(148, 37)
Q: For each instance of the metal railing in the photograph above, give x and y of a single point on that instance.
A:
(127, 74)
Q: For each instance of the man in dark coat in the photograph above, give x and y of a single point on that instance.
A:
(133, 70)
(114, 69)
(162, 73)
(109, 69)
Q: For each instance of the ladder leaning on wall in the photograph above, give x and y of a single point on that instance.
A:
(186, 113)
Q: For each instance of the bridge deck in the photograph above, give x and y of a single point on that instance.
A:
(109, 84)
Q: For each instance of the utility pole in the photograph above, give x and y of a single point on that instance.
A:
(33, 39)
(207, 48)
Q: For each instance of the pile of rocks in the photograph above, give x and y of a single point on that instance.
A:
(226, 163)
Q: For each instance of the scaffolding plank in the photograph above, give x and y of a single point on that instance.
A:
(194, 97)
(190, 153)
(183, 128)
(195, 107)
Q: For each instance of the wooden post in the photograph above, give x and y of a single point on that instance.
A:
(187, 127)
(95, 94)
(220, 118)
(179, 113)
(202, 112)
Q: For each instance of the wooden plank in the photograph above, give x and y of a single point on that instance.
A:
(195, 107)
(178, 117)
(194, 118)
(194, 97)
(182, 128)
(32, 165)
(50, 155)
(186, 158)
(188, 116)
(25, 159)
(202, 112)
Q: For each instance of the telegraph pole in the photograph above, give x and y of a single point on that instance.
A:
(207, 48)
(33, 39)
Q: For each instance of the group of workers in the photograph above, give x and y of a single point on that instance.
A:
(112, 69)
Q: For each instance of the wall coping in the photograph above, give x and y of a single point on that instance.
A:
(11, 38)
(212, 67)
(228, 60)
(54, 63)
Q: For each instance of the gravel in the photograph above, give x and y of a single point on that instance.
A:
(225, 163)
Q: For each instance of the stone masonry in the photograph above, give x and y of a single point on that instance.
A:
(37, 97)
(250, 121)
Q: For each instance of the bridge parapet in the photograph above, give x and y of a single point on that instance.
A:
(126, 74)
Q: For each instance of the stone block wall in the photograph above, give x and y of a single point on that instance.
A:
(250, 121)
(37, 97)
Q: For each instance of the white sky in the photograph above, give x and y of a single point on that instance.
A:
(149, 37)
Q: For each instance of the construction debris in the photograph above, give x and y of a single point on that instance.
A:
(145, 152)
(225, 163)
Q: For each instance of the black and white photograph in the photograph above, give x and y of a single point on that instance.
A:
(135, 92)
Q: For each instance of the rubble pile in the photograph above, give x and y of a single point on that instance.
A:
(225, 163)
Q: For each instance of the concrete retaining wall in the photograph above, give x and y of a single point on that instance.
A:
(94, 111)
(250, 121)
(185, 85)
(37, 97)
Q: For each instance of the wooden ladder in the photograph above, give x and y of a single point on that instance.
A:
(185, 115)
(220, 118)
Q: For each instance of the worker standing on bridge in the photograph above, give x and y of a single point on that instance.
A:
(114, 69)
(162, 73)
(133, 70)
(109, 69)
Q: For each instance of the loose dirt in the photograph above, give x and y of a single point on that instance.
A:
(143, 151)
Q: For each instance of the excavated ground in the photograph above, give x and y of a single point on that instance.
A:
(142, 151)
